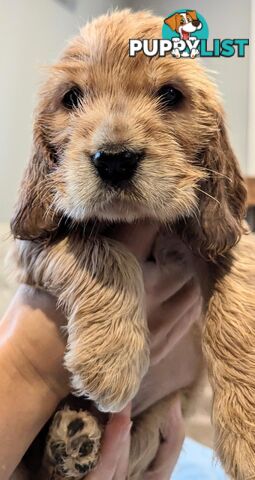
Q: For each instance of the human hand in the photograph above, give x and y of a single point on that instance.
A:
(174, 295)
(33, 380)
(113, 461)
(114, 458)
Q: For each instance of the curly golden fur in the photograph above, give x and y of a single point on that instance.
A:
(188, 179)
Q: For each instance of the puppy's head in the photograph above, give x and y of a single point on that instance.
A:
(121, 138)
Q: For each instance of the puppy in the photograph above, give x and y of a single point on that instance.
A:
(119, 139)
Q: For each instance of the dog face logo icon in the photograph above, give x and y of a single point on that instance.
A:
(185, 28)
(185, 23)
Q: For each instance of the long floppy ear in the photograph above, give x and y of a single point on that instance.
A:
(223, 205)
(33, 217)
(172, 21)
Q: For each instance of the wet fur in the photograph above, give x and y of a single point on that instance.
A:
(189, 179)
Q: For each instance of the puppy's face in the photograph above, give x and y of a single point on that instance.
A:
(127, 132)
(121, 138)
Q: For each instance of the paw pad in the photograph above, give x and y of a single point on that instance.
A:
(73, 443)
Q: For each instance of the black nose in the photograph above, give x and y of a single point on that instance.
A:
(196, 23)
(116, 168)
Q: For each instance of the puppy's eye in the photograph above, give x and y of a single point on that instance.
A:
(169, 96)
(72, 98)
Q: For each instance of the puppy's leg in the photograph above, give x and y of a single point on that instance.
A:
(147, 435)
(100, 285)
(229, 346)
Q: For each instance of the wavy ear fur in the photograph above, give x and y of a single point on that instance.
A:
(223, 208)
(223, 205)
(33, 218)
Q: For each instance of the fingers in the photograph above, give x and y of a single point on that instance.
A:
(138, 238)
(114, 456)
(122, 467)
(169, 450)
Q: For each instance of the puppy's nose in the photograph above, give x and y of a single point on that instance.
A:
(116, 168)
(196, 23)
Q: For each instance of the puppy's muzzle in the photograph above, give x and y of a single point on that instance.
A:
(116, 169)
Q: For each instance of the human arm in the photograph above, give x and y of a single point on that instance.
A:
(33, 380)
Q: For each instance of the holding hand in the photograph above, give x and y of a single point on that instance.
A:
(113, 463)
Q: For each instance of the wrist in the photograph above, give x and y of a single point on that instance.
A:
(26, 404)
(17, 370)
(31, 341)
(25, 372)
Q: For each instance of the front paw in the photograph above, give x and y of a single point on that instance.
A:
(73, 444)
(110, 377)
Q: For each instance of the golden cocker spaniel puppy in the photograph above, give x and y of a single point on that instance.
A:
(119, 139)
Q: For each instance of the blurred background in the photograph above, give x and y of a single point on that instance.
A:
(32, 34)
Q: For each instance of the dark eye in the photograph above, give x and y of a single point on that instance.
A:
(169, 96)
(72, 98)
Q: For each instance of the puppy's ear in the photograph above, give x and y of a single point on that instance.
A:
(33, 217)
(172, 21)
(192, 13)
(223, 205)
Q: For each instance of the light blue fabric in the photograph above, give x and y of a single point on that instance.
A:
(197, 462)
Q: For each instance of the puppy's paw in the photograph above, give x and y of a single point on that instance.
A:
(111, 380)
(73, 444)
